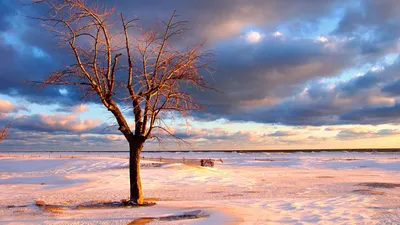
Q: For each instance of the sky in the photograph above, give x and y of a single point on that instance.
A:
(306, 74)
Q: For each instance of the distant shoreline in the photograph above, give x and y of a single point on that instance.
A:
(238, 151)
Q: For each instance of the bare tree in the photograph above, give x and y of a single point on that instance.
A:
(4, 132)
(152, 80)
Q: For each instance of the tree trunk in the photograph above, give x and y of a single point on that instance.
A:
(135, 147)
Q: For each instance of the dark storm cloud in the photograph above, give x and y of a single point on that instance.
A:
(384, 81)
(375, 24)
(363, 82)
(358, 101)
(389, 114)
(392, 88)
(28, 54)
(38, 141)
(59, 123)
(215, 20)
(295, 113)
(369, 14)
(252, 78)
(7, 10)
(255, 75)
(18, 68)
(260, 82)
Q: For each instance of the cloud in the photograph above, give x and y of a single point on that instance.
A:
(357, 133)
(281, 134)
(218, 20)
(273, 70)
(392, 88)
(331, 129)
(374, 24)
(299, 78)
(253, 37)
(362, 82)
(66, 123)
(207, 135)
(39, 141)
(8, 107)
(368, 13)
(232, 18)
(113, 137)
(77, 109)
(80, 108)
(367, 99)
(373, 115)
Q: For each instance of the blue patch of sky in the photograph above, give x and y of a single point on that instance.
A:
(348, 74)
(304, 29)
(323, 26)
(389, 59)
(97, 112)
(9, 98)
(13, 41)
(17, 27)
(39, 53)
(35, 108)
(94, 111)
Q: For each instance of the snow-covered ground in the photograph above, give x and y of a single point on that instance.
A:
(251, 188)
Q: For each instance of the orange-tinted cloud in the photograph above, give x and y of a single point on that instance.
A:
(80, 108)
(54, 123)
(6, 106)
